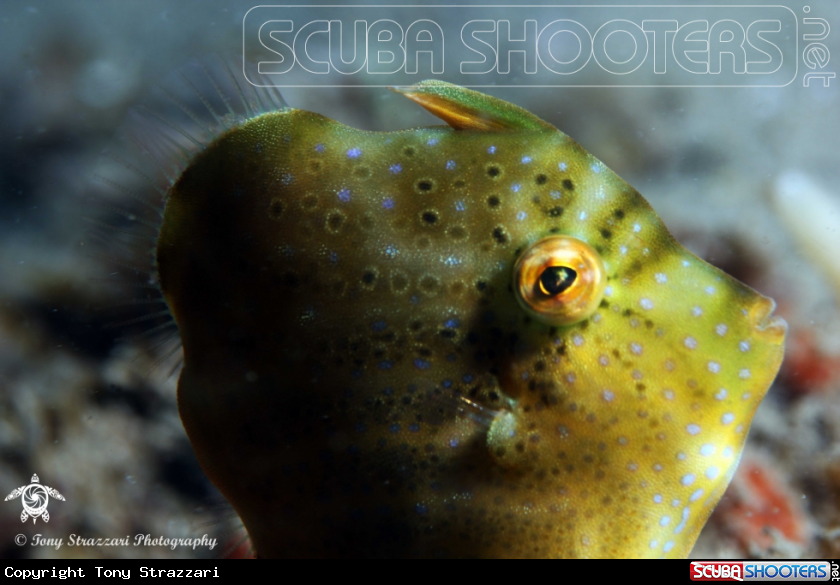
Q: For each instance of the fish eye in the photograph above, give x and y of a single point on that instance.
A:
(560, 280)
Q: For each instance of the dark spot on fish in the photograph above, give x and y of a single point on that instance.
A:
(494, 171)
(493, 201)
(369, 278)
(541, 180)
(424, 186)
(619, 213)
(335, 221)
(500, 235)
(607, 234)
(430, 285)
(556, 211)
(408, 151)
(634, 268)
(568, 185)
(457, 288)
(430, 216)
(309, 201)
(275, 208)
(399, 282)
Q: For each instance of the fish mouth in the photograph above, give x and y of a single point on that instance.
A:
(769, 327)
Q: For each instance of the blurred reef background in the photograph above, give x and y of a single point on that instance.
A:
(745, 177)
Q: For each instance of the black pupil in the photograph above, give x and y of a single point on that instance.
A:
(556, 279)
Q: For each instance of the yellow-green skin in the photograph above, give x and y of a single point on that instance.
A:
(359, 379)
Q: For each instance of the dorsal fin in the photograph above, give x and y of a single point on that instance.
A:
(465, 109)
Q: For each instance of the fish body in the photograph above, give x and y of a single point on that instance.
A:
(362, 377)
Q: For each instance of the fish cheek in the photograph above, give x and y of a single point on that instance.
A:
(290, 349)
(640, 412)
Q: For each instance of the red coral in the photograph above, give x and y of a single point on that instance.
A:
(761, 512)
(807, 369)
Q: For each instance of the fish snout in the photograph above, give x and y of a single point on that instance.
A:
(769, 327)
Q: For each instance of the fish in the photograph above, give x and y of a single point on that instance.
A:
(470, 340)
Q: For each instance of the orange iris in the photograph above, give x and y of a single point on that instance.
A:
(560, 280)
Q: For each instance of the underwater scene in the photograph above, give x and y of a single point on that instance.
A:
(421, 281)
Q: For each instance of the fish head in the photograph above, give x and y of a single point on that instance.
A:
(478, 329)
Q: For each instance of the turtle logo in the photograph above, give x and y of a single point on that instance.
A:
(35, 499)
